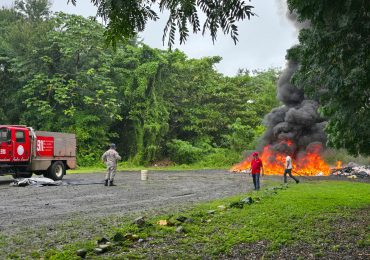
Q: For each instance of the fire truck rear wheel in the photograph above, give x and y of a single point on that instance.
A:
(56, 171)
(26, 175)
(22, 175)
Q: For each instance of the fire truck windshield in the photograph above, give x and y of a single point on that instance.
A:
(4, 135)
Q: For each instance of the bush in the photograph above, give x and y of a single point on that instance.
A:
(89, 159)
(240, 135)
(183, 152)
(220, 158)
(331, 156)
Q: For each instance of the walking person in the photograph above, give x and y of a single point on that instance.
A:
(256, 170)
(110, 159)
(288, 169)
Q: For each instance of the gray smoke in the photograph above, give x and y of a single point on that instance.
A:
(292, 16)
(297, 119)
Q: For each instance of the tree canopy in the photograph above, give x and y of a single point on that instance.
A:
(57, 74)
(334, 57)
(126, 18)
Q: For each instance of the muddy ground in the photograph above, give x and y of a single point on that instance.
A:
(85, 195)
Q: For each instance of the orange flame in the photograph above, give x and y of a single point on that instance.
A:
(308, 163)
(339, 165)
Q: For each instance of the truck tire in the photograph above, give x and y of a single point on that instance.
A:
(22, 175)
(26, 175)
(56, 171)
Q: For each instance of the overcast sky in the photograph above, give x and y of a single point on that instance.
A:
(263, 40)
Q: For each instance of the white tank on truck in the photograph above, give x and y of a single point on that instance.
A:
(24, 151)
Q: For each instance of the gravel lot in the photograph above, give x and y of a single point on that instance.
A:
(33, 219)
(84, 194)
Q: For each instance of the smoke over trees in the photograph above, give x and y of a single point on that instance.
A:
(330, 66)
(297, 120)
(334, 66)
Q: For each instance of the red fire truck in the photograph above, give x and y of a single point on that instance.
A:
(24, 151)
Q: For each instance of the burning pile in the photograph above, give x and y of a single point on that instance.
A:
(294, 129)
(308, 162)
(351, 170)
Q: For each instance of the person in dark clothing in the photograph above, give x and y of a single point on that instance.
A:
(256, 170)
(288, 169)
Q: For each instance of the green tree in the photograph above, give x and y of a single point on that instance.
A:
(241, 135)
(126, 18)
(334, 56)
(33, 9)
(57, 77)
(18, 36)
(203, 104)
(138, 72)
(57, 74)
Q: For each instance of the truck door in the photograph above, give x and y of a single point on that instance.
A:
(21, 145)
(6, 146)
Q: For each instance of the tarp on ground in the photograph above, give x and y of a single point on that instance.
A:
(40, 181)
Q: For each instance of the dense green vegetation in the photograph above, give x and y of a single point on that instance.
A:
(325, 219)
(57, 74)
(334, 54)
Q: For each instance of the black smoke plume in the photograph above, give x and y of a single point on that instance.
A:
(297, 119)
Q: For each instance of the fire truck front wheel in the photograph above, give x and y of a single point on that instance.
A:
(56, 171)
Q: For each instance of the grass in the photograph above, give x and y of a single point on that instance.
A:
(125, 167)
(218, 161)
(304, 214)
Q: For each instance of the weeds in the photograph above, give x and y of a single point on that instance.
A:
(304, 214)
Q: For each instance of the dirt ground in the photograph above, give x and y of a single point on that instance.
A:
(84, 194)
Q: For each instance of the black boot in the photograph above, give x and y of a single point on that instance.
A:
(111, 183)
(106, 183)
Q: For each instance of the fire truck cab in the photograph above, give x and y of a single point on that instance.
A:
(24, 151)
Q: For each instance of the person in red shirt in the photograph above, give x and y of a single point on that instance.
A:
(256, 170)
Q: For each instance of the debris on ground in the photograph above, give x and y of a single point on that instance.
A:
(352, 171)
(38, 182)
(103, 245)
(81, 253)
(237, 204)
(189, 220)
(162, 222)
(247, 200)
(98, 250)
(181, 218)
(180, 229)
(102, 241)
(118, 237)
(140, 222)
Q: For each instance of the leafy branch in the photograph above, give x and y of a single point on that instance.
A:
(126, 18)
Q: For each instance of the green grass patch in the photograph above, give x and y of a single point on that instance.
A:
(280, 216)
(125, 167)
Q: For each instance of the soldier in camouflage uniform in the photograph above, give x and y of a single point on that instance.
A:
(110, 159)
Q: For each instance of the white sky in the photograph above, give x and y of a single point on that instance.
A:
(263, 40)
